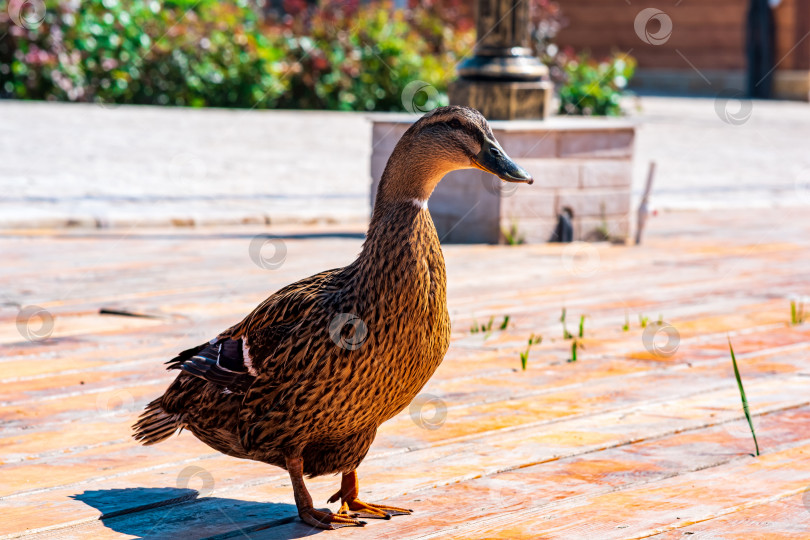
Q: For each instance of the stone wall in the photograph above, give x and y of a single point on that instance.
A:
(583, 165)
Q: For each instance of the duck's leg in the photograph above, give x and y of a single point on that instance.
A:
(349, 489)
(316, 518)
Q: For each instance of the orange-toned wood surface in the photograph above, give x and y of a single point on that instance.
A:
(623, 443)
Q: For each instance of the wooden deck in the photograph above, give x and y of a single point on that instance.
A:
(623, 443)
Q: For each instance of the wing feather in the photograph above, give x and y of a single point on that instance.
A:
(221, 361)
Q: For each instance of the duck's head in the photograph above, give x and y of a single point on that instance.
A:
(444, 140)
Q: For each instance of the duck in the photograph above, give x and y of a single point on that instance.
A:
(304, 380)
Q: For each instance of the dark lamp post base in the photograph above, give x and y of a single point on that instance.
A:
(504, 100)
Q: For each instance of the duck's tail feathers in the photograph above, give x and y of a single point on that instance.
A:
(178, 360)
(155, 424)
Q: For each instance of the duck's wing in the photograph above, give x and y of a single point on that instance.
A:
(291, 305)
(221, 362)
(226, 362)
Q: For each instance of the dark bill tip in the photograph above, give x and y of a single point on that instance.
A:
(493, 159)
(517, 174)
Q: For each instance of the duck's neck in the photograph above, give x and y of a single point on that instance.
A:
(402, 242)
(401, 249)
(411, 174)
(398, 229)
(400, 208)
(401, 267)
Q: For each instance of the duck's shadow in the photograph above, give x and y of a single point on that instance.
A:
(180, 513)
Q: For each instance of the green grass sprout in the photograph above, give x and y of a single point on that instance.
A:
(626, 326)
(512, 235)
(524, 356)
(796, 312)
(574, 346)
(742, 395)
(643, 320)
(582, 326)
(488, 328)
(566, 333)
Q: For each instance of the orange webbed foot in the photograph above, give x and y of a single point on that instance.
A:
(350, 504)
(308, 514)
(328, 520)
(368, 510)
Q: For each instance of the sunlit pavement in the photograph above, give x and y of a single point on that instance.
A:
(643, 435)
(87, 166)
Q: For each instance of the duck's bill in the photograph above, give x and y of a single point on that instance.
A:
(493, 159)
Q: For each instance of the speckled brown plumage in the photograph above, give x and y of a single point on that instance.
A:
(305, 380)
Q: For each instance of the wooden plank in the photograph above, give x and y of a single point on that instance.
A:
(778, 519)
(668, 504)
(548, 486)
(602, 417)
(527, 400)
(461, 459)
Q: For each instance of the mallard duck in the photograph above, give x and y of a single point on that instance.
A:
(305, 380)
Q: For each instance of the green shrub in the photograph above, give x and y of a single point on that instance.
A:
(338, 55)
(363, 58)
(594, 88)
(335, 55)
(136, 51)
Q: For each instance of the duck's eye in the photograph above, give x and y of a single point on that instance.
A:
(455, 123)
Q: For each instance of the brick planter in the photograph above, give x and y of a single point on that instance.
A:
(583, 165)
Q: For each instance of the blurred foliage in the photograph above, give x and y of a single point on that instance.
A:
(594, 88)
(585, 86)
(297, 54)
(141, 51)
(546, 20)
(360, 57)
(337, 55)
